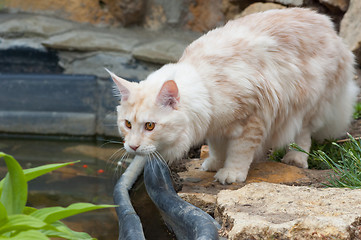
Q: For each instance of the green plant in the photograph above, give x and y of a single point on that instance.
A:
(357, 111)
(346, 168)
(327, 147)
(19, 222)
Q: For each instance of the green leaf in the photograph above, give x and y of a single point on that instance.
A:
(32, 173)
(35, 172)
(29, 210)
(52, 214)
(3, 214)
(21, 222)
(60, 230)
(28, 235)
(14, 189)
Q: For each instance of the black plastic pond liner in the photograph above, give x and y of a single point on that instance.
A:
(130, 227)
(185, 220)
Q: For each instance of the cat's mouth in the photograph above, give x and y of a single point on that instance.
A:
(141, 150)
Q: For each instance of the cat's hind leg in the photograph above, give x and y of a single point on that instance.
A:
(217, 154)
(243, 142)
(296, 158)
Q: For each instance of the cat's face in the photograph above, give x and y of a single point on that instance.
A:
(148, 116)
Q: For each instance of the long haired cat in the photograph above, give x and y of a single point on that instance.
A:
(259, 82)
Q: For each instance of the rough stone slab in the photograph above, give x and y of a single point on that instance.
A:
(274, 211)
(206, 202)
(296, 3)
(259, 7)
(94, 63)
(86, 40)
(34, 43)
(160, 51)
(350, 29)
(34, 25)
(196, 180)
(84, 11)
(341, 4)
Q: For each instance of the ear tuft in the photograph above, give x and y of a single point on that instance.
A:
(122, 85)
(168, 95)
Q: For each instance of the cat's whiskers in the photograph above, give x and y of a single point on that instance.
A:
(158, 157)
(111, 141)
(120, 161)
(151, 160)
(162, 159)
(114, 156)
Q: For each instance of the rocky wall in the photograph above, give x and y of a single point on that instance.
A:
(193, 15)
(131, 38)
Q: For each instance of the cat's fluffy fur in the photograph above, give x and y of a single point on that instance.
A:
(259, 82)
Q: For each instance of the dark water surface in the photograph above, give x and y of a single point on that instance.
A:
(91, 180)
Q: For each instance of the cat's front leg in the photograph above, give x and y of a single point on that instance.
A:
(217, 154)
(242, 144)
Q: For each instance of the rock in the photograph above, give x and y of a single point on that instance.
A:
(127, 11)
(155, 18)
(93, 63)
(161, 51)
(276, 172)
(340, 4)
(230, 9)
(160, 13)
(84, 11)
(273, 172)
(259, 7)
(86, 40)
(205, 15)
(204, 152)
(33, 43)
(34, 26)
(350, 29)
(274, 211)
(296, 3)
(206, 202)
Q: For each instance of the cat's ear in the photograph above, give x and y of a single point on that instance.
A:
(122, 85)
(168, 95)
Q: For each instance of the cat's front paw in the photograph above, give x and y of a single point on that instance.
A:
(211, 165)
(230, 175)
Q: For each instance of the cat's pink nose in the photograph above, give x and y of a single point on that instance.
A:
(134, 147)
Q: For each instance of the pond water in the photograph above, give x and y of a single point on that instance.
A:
(91, 180)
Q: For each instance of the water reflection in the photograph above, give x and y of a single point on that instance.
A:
(91, 180)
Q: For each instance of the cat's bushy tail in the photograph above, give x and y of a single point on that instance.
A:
(338, 113)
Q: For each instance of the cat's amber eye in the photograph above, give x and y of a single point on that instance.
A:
(128, 124)
(149, 126)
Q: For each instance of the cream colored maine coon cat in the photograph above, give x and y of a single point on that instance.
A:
(259, 82)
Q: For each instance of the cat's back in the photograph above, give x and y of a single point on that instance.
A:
(293, 29)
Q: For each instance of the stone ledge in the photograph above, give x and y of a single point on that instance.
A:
(28, 25)
(57, 104)
(161, 51)
(158, 48)
(33, 122)
(84, 40)
(269, 211)
(277, 201)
